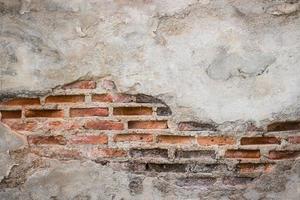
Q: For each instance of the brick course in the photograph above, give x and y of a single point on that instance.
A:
(77, 122)
(85, 112)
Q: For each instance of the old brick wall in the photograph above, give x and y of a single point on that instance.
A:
(136, 133)
(149, 99)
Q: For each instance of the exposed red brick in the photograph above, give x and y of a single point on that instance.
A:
(11, 114)
(81, 85)
(136, 137)
(175, 139)
(62, 125)
(65, 99)
(20, 125)
(132, 111)
(55, 125)
(284, 126)
(196, 126)
(72, 125)
(246, 168)
(294, 139)
(242, 153)
(49, 113)
(85, 112)
(278, 155)
(46, 140)
(102, 98)
(215, 140)
(109, 153)
(59, 124)
(259, 140)
(90, 139)
(104, 125)
(21, 102)
(148, 124)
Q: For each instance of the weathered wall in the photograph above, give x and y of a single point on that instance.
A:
(228, 67)
(130, 144)
(220, 60)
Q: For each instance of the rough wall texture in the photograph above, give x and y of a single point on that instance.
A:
(79, 129)
(207, 103)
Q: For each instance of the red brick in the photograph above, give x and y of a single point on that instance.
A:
(109, 153)
(102, 98)
(65, 99)
(61, 125)
(132, 111)
(36, 140)
(278, 155)
(21, 102)
(136, 137)
(81, 85)
(246, 168)
(103, 125)
(48, 113)
(55, 125)
(242, 153)
(259, 140)
(11, 114)
(294, 139)
(147, 125)
(85, 112)
(215, 140)
(20, 125)
(90, 139)
(118, 98)
(175, 139)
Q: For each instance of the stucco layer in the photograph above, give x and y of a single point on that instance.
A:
(212, 60)
(231, 63)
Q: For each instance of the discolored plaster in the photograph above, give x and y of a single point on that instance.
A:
(230, 63)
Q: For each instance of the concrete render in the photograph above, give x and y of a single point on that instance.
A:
(226, 61)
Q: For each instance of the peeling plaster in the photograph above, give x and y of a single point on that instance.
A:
(145, 46)
(232, 62)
